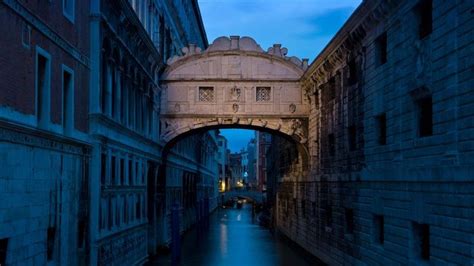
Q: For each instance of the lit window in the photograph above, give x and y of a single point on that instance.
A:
(68, 9)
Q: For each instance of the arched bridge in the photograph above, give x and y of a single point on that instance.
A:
(234, 83)
(256, 196)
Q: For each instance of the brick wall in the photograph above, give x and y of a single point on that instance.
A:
(18, 57)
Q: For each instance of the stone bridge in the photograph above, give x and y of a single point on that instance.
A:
(234, 83)
(256, 196)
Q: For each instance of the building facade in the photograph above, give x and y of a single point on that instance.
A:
(80, 129)
(130, 183)
(263, 144)
(390, 140)
(44, 148)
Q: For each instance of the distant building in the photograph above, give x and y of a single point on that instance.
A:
(223, 164)
(235, 165)
(251, 165)
(262, 146)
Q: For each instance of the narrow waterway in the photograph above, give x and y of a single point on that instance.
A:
(233, 238)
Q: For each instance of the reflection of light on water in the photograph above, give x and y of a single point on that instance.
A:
(239, 217)
(223, 237)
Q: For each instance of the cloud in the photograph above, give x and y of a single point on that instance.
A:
(303, 26)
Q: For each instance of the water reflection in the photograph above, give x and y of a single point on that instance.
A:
(232, 239)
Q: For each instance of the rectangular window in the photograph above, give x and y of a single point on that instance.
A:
(353, 72)
(379, 229)
(381, 124)
(68, 9)
(81, 234)
(332, 144)
(349, 221)
(113, 175)
(43, 87)
(328, 217)
(421, 241)
(122, 171)
(3, 251)
(295, 206)
(381, 49)
(206, 94)
(352, 137)
(424, 10)
(51, 235)
(68, 100)
(103, 168)
(303, 207)
(263, 94)
(130, 172)
(425, 116)
(330, 89)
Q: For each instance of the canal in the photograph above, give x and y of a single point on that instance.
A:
(234, 238)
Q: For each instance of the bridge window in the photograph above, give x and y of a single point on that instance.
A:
(263, 94)
(206, 94)
(421, 239)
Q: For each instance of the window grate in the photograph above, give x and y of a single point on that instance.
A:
(263, 94)
(206, 94)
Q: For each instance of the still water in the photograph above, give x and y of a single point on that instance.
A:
(233, 238)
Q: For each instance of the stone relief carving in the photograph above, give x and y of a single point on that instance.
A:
(177, 108)
(235, 108)
(235, 94)
(292, 108)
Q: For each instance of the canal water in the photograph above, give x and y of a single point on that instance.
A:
(234, 238)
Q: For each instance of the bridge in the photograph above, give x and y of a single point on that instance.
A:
(256, 196)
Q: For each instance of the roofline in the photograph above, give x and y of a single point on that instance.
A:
(197, 11)
(352, 22)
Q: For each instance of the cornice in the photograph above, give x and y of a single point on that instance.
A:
(349, 37)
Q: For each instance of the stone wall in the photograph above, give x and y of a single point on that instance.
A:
(391, 149)
(43, 183)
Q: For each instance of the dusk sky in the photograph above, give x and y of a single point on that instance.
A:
(302, 26)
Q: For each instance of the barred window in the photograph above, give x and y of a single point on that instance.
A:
(263, 94)
(206, 94)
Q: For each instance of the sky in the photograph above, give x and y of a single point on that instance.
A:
(303, 26)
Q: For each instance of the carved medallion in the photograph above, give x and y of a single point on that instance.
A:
(235, 108)
(292, 108)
